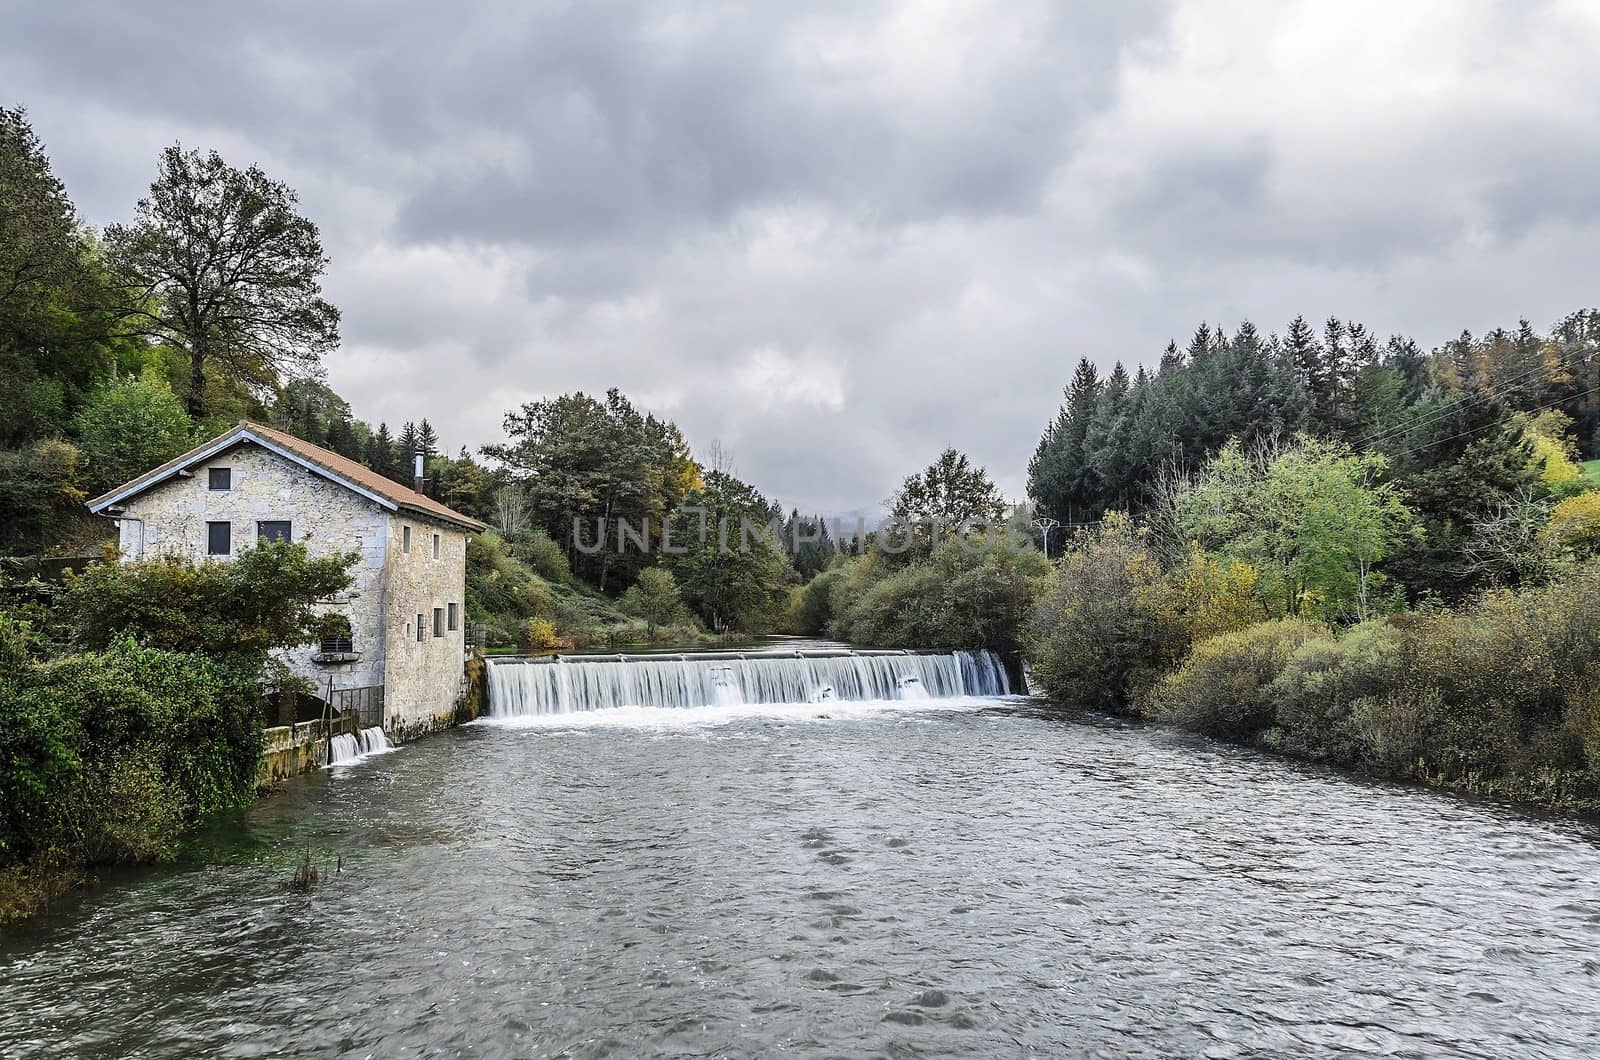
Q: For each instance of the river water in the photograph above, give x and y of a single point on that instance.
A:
(941, 879)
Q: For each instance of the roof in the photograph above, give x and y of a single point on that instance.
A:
(330, 465)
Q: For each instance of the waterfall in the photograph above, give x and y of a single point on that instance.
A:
(567, 684)
(343, 748)
(347, 748)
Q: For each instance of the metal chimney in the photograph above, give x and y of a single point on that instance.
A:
(416, 472)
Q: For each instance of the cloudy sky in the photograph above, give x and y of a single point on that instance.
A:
(841, 236)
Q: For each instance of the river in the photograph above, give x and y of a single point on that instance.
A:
(952, 878)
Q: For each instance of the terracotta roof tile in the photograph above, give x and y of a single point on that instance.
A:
(339, 468)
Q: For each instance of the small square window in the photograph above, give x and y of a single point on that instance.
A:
(438, 622)
(435, 546)
(455, 617)
(219, 538)
(405, 539)
(421, 630)
(274, 530)
(220, 478)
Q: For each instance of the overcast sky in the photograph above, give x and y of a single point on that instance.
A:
(841, 236)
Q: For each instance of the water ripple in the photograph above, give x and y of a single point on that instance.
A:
(929, 883)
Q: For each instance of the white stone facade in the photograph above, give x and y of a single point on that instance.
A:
(422, 678)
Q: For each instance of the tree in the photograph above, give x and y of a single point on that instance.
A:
(586, 465)
(308, 408)
(380, 454)
(951, 491)
(1312, 516)
(51, 347)
(654, 597)
(127, 428)
(731, 572)
(268, 598)
(510, 509)
(219, 263)
(427, 440)
(407, 446)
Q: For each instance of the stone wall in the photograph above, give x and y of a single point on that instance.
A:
(290, 750)
(324, 516)
(424, 679)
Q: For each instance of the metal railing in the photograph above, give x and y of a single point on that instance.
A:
(364, 704)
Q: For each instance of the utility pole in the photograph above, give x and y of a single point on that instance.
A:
(1045, 524)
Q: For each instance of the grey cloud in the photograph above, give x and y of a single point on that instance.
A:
(522, 199)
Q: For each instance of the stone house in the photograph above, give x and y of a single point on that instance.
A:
(407, 605)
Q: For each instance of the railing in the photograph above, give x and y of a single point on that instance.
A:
(364, 705)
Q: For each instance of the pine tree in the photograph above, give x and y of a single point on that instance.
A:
(342, 438)
(407, 446)
(381, 456)
(1304, 354)
(427, 440)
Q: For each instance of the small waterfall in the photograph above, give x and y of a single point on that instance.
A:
(373, 741)
(343, 748)
(568, 684)
(347, 748)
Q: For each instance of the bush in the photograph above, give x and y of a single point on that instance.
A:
(1222, 689)
(543, 556)
(964, 596)
(1321, 682)
(267, 598)
(1575, 525)
(811, 605)
(126, 428)
(1393, 730)
(1094, 640)
(654, 598)
(543, 636)
(109, 754)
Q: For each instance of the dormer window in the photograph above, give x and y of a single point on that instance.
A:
(220, 479)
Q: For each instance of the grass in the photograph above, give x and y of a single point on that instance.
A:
(1591, 471)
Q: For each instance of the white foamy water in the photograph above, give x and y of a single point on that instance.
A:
(347, 748)
(724, 681)
(658, 718)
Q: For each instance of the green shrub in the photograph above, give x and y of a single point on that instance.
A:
(963, 596)
(1394, 730)
(269, 597)
(1094, 639)
(1222, 688)
(543, 556)
(811, 605)
(1323, 679)
(109, 754)
(654, 597)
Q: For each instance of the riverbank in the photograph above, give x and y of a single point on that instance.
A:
(1498, 697)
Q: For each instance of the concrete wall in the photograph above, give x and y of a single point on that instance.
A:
(423, 679)
(290, 750)
(323, 516)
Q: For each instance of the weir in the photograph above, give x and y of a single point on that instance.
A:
(349, 747)
(526, 686)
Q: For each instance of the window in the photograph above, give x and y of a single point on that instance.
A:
(435, 546)
(336, 636)
(420, 633)
(221, 478)
(273, 530)
(219, 538)
(405, 539)
(438, 622)
(455, 617)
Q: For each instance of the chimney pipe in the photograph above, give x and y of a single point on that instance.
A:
(416, 472)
